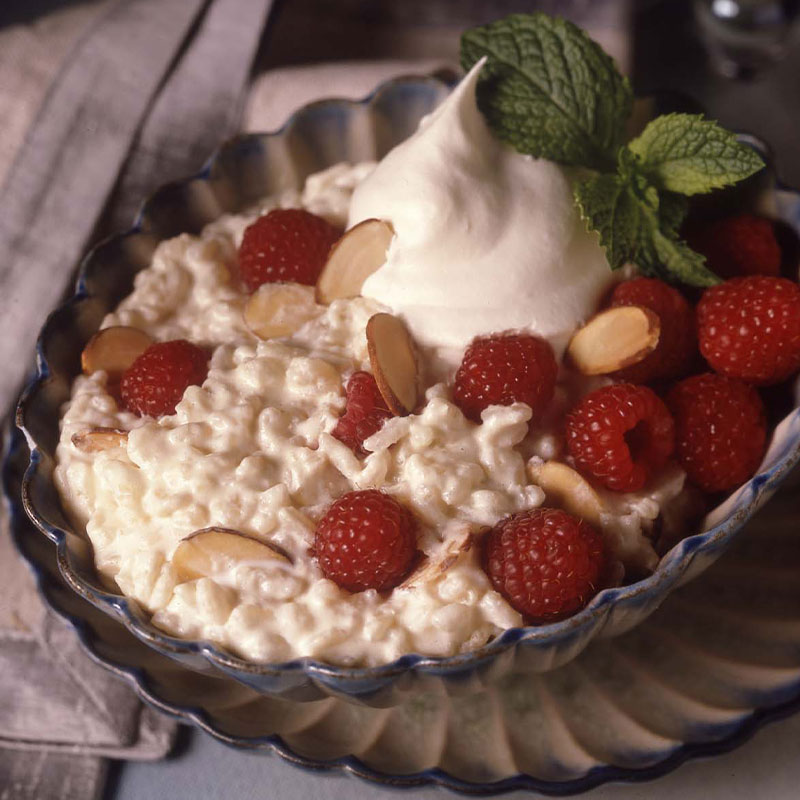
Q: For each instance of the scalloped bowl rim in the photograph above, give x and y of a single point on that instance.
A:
(671, 568)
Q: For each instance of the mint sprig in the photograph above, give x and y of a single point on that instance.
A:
(551, 92)
(608, 205)
(548, 90)
(691, 155)
(637, 223)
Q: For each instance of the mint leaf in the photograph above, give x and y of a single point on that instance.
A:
(672, 211)
(608, 205)
(638, 224)
(689, 154)
(549, 90)
(665, 255)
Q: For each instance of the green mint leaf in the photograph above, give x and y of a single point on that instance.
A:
(672, 211)
(549, 90)
(665, 255)
(609, 206)
(638, 224)
(691, 155)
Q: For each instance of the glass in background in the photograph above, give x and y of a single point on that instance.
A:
(745, 37)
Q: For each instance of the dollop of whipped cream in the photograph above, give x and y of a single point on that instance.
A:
(487, 239)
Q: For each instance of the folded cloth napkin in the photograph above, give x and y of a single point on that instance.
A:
(143, 98)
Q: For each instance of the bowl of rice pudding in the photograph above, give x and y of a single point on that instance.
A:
(199, 529)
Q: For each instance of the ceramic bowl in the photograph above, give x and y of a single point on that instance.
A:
(242, 171)
(717, 660)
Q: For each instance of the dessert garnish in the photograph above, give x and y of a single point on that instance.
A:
(154, 384)
(545, 562)
(749, 328)
(551, 92)
(434, 566)
(393, 361)
(720, 430)
(214, 551)
(113, 350)
(287, 244)
(567, 489)
(505, 369)
(99, 439)
(280, 309)
(360, 251)
(366, 540)
(364, 414)
(614, 339)
(677, 342)
(621, 435)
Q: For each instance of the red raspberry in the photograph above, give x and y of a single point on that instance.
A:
(720, 430)
(741, 245)
(677, 342)
(749, 328)
(545, 562)
(154, 384)
(365, 412)
(503, 369)
(287, 244)
(620, 435)
(366, 540)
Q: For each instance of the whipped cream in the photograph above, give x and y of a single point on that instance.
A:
(487, 239)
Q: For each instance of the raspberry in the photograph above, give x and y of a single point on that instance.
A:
(741, 245)
(677, 342)
(154, 384)
(364, 414)
(749, 328)
(503, 369)
(287, 244)
(545, 562)
(366, 540)
(720, 430)
(620, 435)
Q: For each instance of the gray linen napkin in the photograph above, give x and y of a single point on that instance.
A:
(145, 95)
(70, 161)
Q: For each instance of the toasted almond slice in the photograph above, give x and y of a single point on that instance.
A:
(98, 439)
(614, 339)
(391, 354)
(211, 551)
(436, 565)
(353, 259)
(280, 309)
(565, 488)
(114, 350)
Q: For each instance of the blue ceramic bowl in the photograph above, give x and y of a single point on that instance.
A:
(244, 170)
(720, 658)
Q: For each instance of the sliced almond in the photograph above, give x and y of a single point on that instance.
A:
(614, 339)
(280, 309)
(436, 565)
(98, 439)
(360, 252)
(565, 488)
(394, 364)
(211, 551)
(113, 350)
